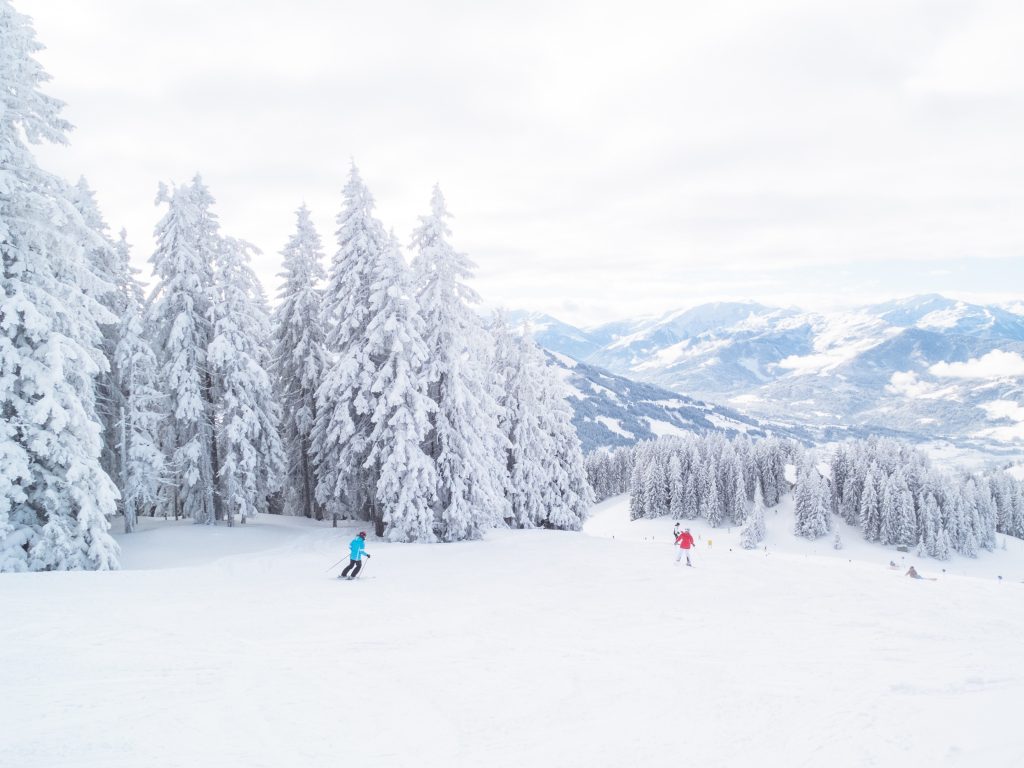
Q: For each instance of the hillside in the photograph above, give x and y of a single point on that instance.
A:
(235, 648)
(611, 410)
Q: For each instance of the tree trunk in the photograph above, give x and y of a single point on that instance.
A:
(126, 506)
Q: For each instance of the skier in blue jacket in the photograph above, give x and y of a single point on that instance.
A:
(356, 550)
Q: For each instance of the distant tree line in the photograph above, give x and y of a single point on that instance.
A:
(889, 490)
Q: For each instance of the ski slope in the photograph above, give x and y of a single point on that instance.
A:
(233, 647)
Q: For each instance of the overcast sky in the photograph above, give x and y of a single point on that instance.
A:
(601, 159)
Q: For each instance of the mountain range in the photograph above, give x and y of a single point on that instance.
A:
(925, 368)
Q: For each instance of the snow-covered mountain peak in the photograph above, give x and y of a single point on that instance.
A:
(831, 369)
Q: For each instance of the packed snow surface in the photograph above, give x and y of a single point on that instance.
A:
(234, 647)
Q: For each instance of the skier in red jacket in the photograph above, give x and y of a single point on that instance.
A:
(684, 542)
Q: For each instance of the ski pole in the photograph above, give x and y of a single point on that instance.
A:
(336, 564)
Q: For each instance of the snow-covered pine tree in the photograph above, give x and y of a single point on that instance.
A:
(465, 442)
(710, 504)
(637, 496)
(690, 509)
(953, 516)
(932, 525)
(676, 488)
(870, 506)
(1017, 524)
(889, 510)
(107, 271)
(986, 514)
(813, 502)
(54, 494)
(179, 307)
(656, 488)
(849, 507)
(840, 467)
(346, 485)
(754, 531)
(504, 366)
(531, 442)
(406, 477)
(804, 495)
(972, 520)
(944, 549)
(772, 467)
(299, 361)
(571, 495)
(907, 534)
(246, 413)
(142, 408)
(738, 498)
(748, 465)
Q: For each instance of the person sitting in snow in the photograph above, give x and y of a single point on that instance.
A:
(356, 550)
(684, 542)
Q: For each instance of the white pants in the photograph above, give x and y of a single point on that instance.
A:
(680, 552)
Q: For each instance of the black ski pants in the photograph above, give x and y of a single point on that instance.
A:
(358, 564)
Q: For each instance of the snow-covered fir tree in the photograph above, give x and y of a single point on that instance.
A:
(707, 489)
(932, 525)
(570, 496)
(250, 455)
(891, 509)
(344, 401)
(299, 361)
(676, 488)
(107, 271)
(179, 318)
(813, 502)
(754, 531)
(54, 495)
(405, 476)
(142, 408)
(690, 510)
(738, 497)
(906, 519)
(608, 471)
(655, 489)
(465, 442)
(531, 445)
(870, 507)
(505, 363)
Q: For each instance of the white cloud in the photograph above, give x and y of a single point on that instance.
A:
(1004, 409)
(908, 384)
(994, 365)
(677, 151)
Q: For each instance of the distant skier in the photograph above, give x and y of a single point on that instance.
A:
(356, 550)
(684, 542)
(912, 573)
(676, 530)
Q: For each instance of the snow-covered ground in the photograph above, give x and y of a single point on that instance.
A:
(234, 647)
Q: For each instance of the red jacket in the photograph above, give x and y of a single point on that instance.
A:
(684, 540)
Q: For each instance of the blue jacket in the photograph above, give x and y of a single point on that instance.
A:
(357, 549)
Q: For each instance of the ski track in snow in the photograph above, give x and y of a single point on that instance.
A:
(541, 648)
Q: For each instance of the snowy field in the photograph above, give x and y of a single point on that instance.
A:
(234, 647)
